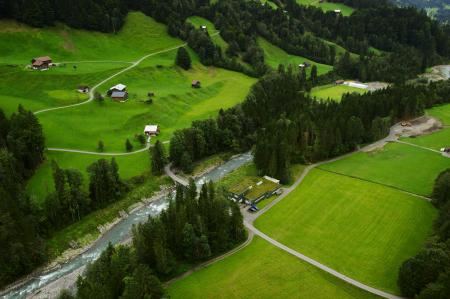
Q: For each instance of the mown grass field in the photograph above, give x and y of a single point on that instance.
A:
(262, 271)
(275, 56)
(361, 229)
(436, 140)
(334, 92)
(397, 165)
(328, 6)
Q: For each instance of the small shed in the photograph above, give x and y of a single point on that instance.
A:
(119, 95)
(337, 11)
(41, 63)
(151, 130)
(339, 82)
(196, 84)
(203, 27)
(83, 89)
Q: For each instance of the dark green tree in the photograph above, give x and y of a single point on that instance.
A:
(128, 145)
(183, 59)
(158, 158)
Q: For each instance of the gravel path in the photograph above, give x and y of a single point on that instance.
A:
(67, 150)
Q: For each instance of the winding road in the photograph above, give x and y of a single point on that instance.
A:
(249, 218)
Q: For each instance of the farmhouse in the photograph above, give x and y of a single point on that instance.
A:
(41, 63)
(337, 11)
(339, 82)
(203, 27)
(151, 130)
(119, 95)
(196, 84)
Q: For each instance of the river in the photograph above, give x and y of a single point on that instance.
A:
(118, 233)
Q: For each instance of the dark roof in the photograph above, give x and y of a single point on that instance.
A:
(195, 82)
(119, 94)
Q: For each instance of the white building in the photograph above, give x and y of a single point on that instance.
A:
(151, 130)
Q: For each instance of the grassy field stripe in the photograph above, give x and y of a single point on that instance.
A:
(320, 265)
(377, 183)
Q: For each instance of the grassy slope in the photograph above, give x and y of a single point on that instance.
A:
(175, 106)
(441, 112)
(139, 36)
(217, 39)
(398, 165)
(262, 271)
(275, 56)
(361, 229)
(334, 92)
(327, 6)
(42, 183)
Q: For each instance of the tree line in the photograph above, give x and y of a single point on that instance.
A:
(285, 125)
(21, 152)
(193, 228)
(427, 275)
(100, 15)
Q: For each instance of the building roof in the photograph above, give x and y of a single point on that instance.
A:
(195, 82)
(119, 94)
(151, 128)
(119, 87)
(43, 58)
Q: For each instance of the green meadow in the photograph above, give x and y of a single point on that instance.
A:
(261, 270)
(175, 105)
(361, 229)
(198, 22)
(334, 92)
(436, 140)
(139, 36)
(275, 56)
(397, 165)
(328, 6)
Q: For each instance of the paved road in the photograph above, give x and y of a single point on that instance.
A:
(173, 176)
(321, 266)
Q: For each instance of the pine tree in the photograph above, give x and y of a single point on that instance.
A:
(314, 74)
(186, 163)
(100, 146)
(183, 59)
(158, 158)
(128, 145)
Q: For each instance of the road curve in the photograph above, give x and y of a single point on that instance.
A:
(321, 266)
(249, 218)
(91, 93)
